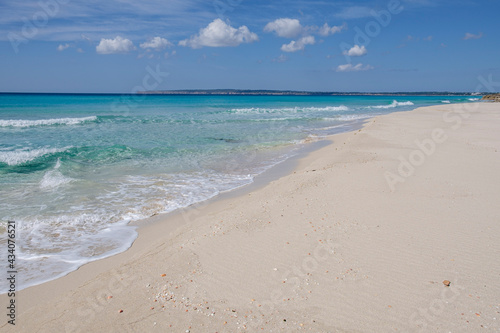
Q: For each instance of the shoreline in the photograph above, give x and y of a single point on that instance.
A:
(169, 222)
(176, 245)
(176, 218)
(272, 172)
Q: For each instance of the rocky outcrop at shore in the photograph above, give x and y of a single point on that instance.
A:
(491, 98)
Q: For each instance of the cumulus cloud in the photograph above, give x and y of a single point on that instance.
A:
(326, 30)
(220, 34)
(156, 43)
(117, 45)
(62, 47)
(356, 51)
(298, 45)
(285, 27)
(351, 68)
(468, 35)
(291, 28)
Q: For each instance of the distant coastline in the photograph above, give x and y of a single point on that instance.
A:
(238, 92)
(300, 93)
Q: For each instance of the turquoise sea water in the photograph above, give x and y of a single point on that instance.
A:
(76, 169)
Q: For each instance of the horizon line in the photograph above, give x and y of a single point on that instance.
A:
(249, 91)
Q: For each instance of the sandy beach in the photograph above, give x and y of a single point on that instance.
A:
(359, 237)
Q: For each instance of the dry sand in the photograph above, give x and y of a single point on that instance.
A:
(330, 247)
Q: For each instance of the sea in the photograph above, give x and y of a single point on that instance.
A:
(77, 169)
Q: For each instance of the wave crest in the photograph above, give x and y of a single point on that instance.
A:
(54, 178)
(290, 110)
(394, 104)
(23, 123)
(22, 156)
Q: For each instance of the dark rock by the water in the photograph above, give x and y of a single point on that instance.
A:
(491, 97)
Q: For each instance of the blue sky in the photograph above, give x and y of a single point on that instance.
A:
(125, 46)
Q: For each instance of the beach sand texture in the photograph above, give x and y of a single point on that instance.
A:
(358, 238)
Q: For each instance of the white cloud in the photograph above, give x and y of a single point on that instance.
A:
(325, 30)
(351, 68)
(220, 34)
(356, 51)
(117, 45)
(294, 46)
(291, 28)
(156, 43)
(468, 35)
(62, 47)
(285, 27)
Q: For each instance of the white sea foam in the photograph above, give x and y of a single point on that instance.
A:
(24, 155)
(473, 99)
(349, 117)
(53, 246)
(394, 104)
(23, 123)
(147, 196)
(291, 110)
(54, 178)
(446, 102)
(328, 108)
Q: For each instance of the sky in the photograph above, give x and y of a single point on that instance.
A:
(125, 46)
